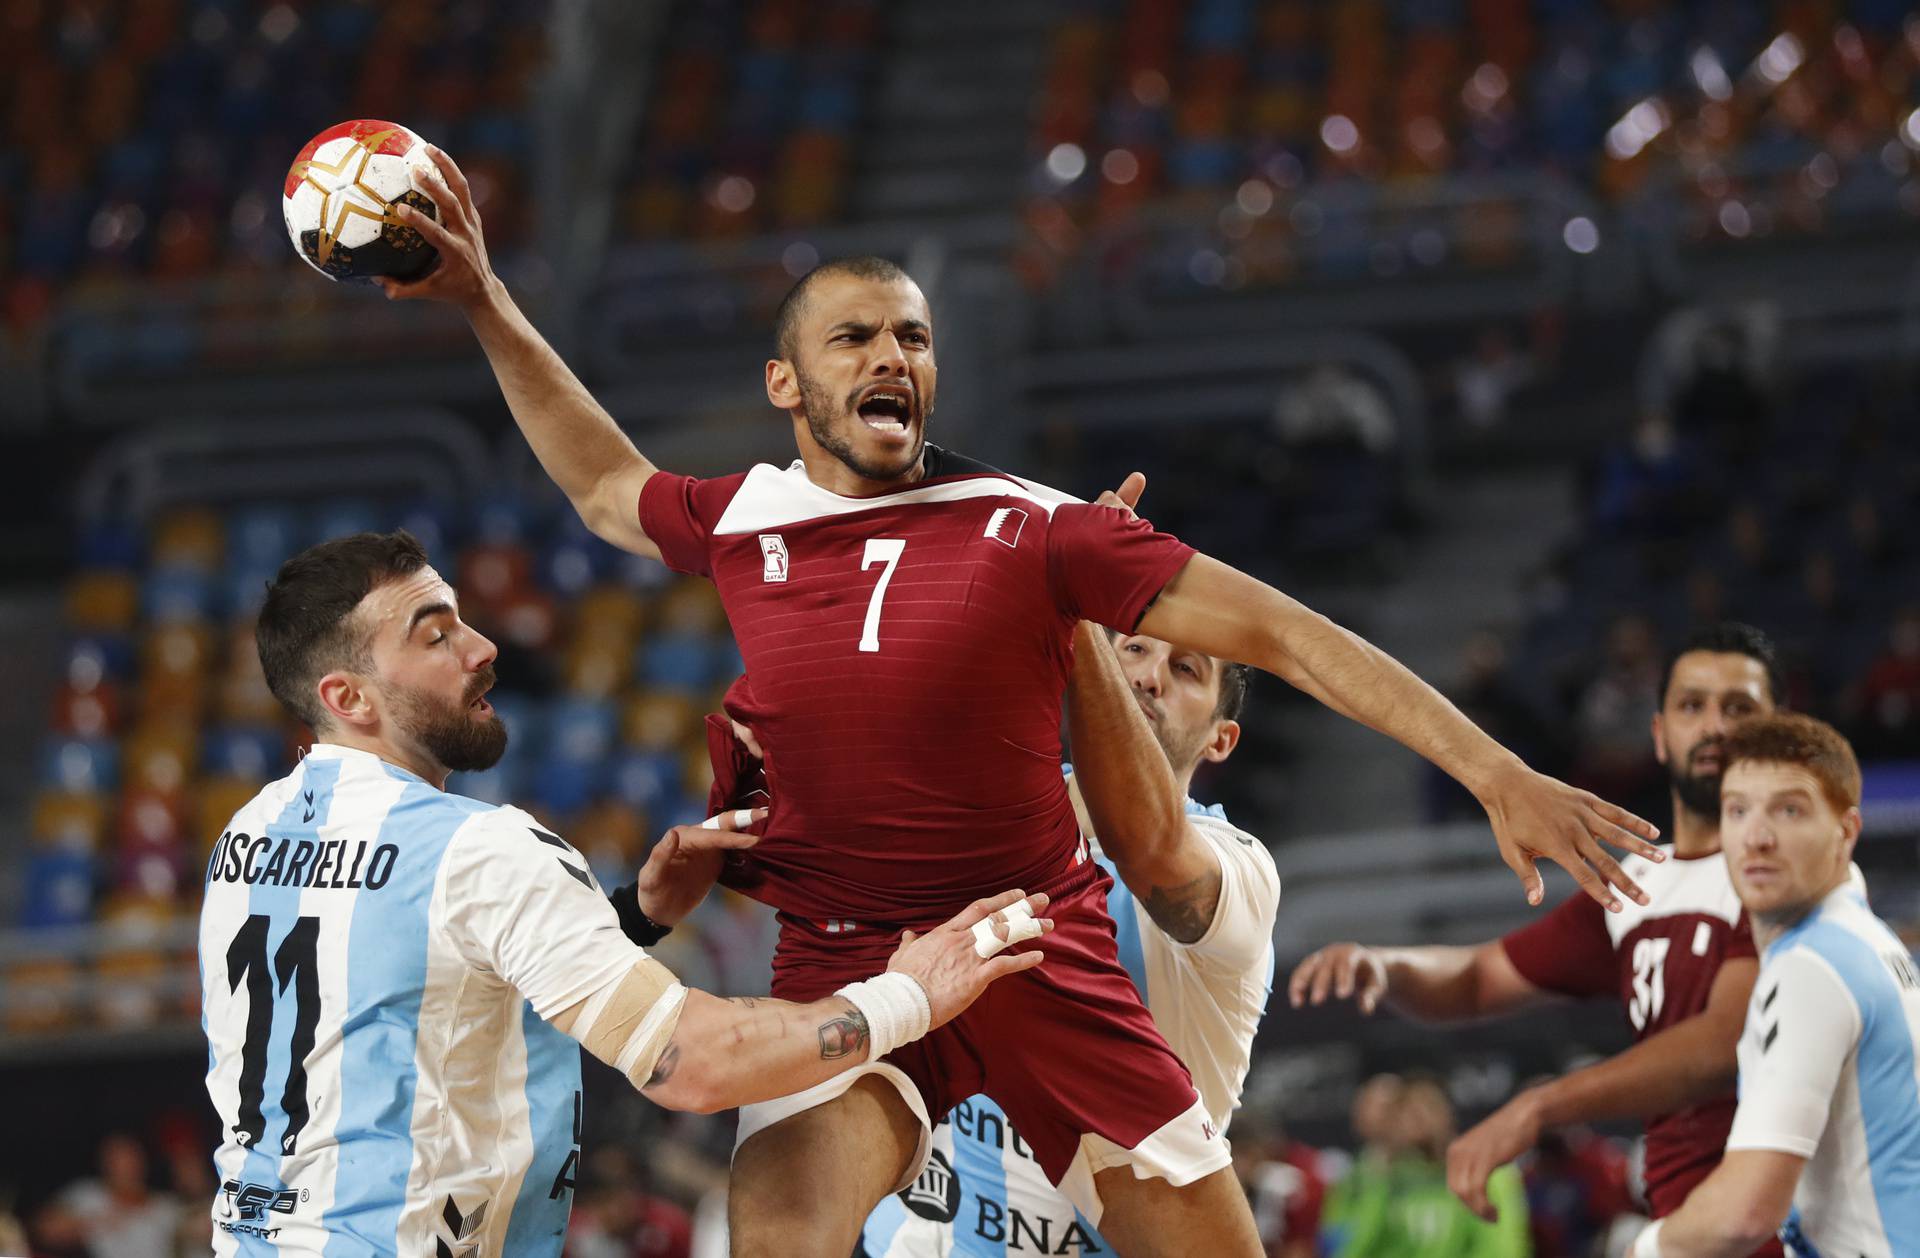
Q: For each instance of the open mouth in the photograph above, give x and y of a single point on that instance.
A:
(480, 704)
(887, 409)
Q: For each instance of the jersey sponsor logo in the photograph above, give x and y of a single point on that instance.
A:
(334, 863)
(1004, 525)
(988, 1127)
(773, 557)
(245, 1202)
(1000, 1224)
(936, 1194)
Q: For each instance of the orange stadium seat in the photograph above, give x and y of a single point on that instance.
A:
(41, 996)
(102, 601)
(69, 819)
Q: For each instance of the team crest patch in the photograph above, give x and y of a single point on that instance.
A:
(773, 557)
(1004, 525)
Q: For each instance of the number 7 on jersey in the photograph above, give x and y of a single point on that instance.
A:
(885, 550)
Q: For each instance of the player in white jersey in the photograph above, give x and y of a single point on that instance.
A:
(393, 977)
(1825, 1144)
(1193, 904)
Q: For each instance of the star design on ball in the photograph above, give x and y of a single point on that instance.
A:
(346, 193)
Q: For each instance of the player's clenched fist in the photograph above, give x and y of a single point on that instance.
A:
(464, 276)
(1347, 971)
(948, 960)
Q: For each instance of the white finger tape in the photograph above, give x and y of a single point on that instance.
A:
(711, 823)
(1021, 926)
(742, 818)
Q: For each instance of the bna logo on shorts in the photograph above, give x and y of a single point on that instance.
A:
(936, 1194)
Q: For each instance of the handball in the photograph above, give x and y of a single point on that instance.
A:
(339, 199)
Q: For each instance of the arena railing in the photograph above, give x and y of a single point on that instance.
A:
(363, 452)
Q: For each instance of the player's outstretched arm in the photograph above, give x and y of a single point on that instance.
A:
(1732, 1212)
(575, 439)
(1685, 1064)
(1432, 984)
(1132, 797)
(1214, 608)
(722, 1053)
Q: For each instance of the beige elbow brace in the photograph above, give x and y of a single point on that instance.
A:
(628, 1023)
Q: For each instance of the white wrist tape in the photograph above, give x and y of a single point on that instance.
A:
(895, 1007)
(1647, 1244)
(1021, 926)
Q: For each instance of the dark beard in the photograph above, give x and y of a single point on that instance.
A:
(451, 735)
(813, 396)
(1698, 793)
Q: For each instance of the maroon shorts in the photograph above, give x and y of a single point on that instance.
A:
(1066, 1048)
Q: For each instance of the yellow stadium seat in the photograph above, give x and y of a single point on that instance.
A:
(658, 721)
(190, 537)
(161, 755)
(103, 601)
(41, 996)
(219, 799)
(69, 819)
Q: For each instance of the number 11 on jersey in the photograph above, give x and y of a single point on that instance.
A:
(885, 550)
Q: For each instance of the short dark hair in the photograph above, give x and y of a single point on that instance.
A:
(1814, 745)
(786, 320)
(1236, 680)
(303, 631)
(1729, 637)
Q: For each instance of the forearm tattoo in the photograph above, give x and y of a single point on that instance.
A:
(844, 1036)
(1185, 911)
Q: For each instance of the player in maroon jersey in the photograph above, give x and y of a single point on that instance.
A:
(905, 617)
(1682, 967)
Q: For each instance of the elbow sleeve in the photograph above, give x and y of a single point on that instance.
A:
(628, 1023)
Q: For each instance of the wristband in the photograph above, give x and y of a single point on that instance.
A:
(634, 923)
(1647, 1244)
(1021, 926)
(895, 1007)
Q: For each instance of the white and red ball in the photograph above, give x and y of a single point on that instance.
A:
(339, 200)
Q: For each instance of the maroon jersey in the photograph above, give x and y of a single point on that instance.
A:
(1661, 962)
(907, 654)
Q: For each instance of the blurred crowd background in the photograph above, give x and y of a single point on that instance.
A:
(1520, 335)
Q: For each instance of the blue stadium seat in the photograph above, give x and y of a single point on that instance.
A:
(80, 764)
(59, 889)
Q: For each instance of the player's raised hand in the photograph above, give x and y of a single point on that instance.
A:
(685, 863)
(1345, 971)
(955, 961)
(464, 276)
(1536, 817)
(1497, 1140)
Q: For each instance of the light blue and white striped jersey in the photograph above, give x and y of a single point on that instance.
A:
(1828, 1072)
(376, 961)
(983, 1195)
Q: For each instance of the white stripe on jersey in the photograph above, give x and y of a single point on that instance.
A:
(771, 498)
(1675, 887)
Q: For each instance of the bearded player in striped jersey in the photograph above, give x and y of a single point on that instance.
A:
(394, 977)
(1193, 904)
(905, 616)
(1681, 967)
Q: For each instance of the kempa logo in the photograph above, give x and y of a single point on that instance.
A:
(773, 557)
(249, 1203)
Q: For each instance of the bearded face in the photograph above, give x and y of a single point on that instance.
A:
(464, 736)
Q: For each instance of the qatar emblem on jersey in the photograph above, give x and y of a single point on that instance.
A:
(1004, 525)
(773, 557)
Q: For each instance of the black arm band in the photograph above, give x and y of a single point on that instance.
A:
(634, 924)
